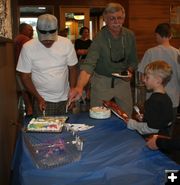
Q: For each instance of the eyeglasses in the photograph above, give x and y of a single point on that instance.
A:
(45, 32)
(113, 19)
(121, 59)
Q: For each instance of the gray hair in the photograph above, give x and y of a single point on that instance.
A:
(113, 7)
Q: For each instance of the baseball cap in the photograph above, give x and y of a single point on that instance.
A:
(47, 27)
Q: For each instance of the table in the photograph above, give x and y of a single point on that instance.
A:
(112, 155)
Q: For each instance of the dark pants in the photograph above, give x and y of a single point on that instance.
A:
(52, 109)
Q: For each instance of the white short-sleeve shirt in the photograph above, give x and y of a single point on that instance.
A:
(48, 67)
(170, 55)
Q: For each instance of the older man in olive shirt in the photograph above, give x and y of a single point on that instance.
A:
(112, 51)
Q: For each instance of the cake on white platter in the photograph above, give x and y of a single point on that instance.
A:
(46, 124)
(99, 112)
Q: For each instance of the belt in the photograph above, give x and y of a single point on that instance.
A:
(112, 82)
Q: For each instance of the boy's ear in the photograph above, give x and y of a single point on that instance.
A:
(159, 80)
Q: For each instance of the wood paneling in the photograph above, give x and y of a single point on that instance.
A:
(89, 3)
(8, 108)
(144, 16)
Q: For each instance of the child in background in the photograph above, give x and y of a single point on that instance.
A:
(166, 52)
(158, 110)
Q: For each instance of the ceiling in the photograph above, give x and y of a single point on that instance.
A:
(34, 11)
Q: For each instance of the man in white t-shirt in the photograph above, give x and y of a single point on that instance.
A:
(48, 67)
(165, 51)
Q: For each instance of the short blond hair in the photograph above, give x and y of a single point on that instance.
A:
(113, 7)
(159, 68)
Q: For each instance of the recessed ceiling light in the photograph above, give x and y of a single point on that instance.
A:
(79, 17)
(41, 8)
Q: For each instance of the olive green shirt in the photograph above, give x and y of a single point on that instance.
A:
(105, 49)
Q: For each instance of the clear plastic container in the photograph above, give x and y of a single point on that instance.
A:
(51, 150)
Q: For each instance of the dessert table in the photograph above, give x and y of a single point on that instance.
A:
(112, 155)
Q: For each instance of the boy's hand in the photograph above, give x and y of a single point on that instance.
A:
(139, 117)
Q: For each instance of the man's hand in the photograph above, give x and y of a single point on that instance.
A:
(151, 143)
(75, 94)
(130, 75)
(41, 103)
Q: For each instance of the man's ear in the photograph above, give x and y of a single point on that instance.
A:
(105, 18)
(170, 37)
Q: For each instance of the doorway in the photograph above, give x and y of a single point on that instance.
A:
(29, 14)
(73, 19)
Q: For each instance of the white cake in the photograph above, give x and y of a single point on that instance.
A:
(46, 124)
(99, 112)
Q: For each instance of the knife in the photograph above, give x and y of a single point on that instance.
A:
(137, 109)
(44, 113)
(67, 105)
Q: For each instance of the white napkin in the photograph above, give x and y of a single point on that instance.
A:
(78, 127)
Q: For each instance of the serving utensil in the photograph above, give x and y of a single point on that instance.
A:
(67, 105)
(137, 109)
(44, 113)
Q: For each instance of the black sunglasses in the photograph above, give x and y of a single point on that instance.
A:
(44, 31)
(121, 59)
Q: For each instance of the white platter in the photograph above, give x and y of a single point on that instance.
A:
(121, 76)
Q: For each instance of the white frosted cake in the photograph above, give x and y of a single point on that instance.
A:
(46, 124)
(99, 112)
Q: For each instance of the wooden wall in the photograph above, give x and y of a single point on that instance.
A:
(144, 15)
(8, 108)
(89, 3)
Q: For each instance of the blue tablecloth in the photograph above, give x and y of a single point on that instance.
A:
(112, 155)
